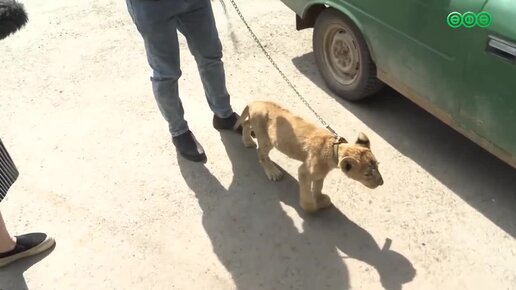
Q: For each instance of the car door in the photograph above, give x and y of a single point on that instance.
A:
(488, 105)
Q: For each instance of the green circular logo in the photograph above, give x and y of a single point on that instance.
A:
(454, 19)
(484, 19)
(469, 19)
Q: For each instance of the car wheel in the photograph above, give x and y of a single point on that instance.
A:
(343, 58)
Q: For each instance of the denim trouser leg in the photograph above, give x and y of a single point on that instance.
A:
(158, 22)
(199, 28)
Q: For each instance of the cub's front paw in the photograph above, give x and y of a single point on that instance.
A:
(273, 172)
(323, 201)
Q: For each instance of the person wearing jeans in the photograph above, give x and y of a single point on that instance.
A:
(158, 22)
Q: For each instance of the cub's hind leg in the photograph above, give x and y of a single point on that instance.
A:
(271, 170)
(264, 148)
(246, 135)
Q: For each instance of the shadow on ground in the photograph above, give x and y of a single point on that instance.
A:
(479, 178)
(11, 277)
(260, 245)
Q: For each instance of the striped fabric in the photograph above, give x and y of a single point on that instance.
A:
(8, 171)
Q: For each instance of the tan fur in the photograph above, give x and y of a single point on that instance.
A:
(315, 147)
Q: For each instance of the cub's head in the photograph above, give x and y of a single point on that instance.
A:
(358, 162)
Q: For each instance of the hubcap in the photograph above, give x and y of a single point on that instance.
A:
(341, 54)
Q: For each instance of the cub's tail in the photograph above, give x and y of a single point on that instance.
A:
(243, 117)
(12, 17)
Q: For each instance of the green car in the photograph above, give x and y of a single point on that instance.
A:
(454, 58)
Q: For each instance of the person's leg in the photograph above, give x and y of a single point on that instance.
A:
(158, 27)
(7, 242)
(8, 175)
(15, 248)
(199, 28)
(157, 23)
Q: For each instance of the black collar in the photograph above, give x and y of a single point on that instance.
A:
(338, 140)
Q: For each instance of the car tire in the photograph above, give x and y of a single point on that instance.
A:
(343, 58)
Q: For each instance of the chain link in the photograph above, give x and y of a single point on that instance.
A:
(269, 57)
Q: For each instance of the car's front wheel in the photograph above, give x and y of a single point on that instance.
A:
(343, 58)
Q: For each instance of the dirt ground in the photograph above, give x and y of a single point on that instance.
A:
(99, 173)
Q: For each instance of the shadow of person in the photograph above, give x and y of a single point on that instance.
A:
(449, 157)
(11, 276)
(258, 243)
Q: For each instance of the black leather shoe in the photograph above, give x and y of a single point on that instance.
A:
(227, 123)
(188, 147)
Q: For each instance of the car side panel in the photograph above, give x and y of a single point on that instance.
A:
(489, 105)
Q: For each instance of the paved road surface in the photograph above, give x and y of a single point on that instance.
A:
(100, 174)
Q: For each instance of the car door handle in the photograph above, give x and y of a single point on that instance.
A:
(502, 48)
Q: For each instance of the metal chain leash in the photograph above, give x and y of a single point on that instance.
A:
(269, 57)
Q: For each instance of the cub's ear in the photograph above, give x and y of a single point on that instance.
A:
(362, 140)
(348, 163)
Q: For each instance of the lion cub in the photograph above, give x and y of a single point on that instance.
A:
(319, 150)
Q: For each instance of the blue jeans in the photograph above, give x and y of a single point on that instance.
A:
(158, 22)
